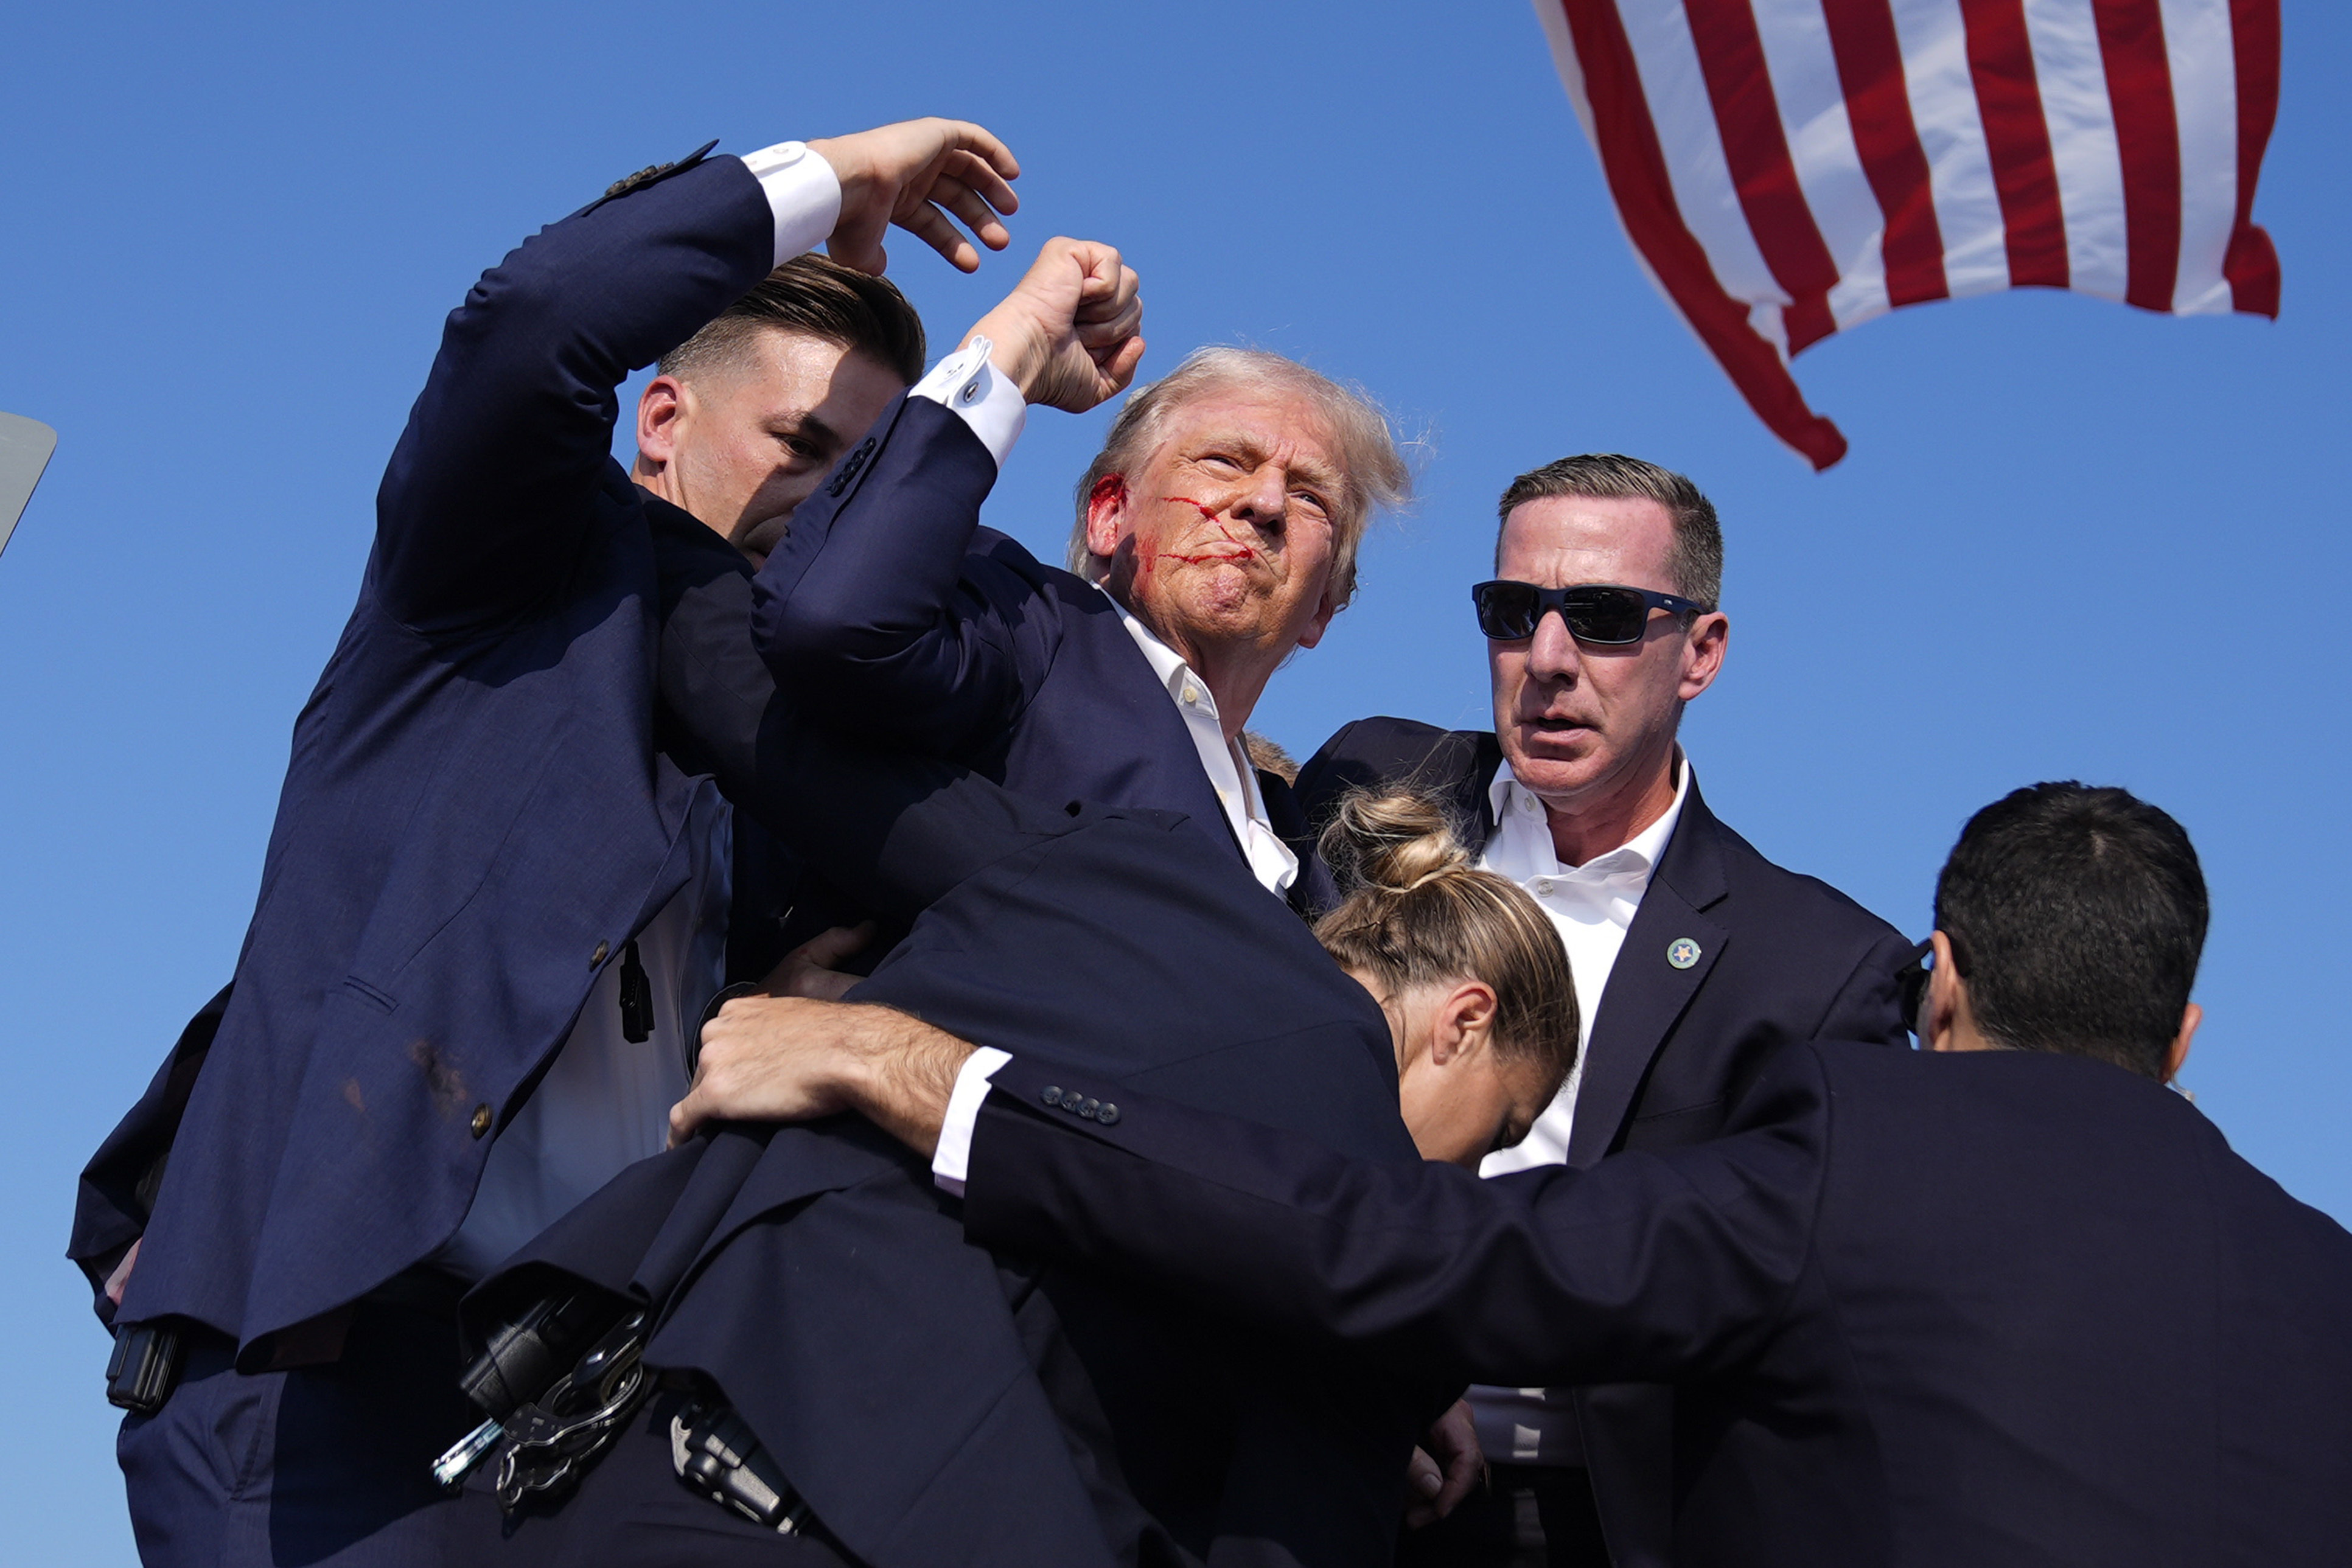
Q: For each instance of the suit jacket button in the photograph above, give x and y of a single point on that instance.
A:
(1108, 1114)
(481, 1122)
(598, 955)
(1052, 1096)
(1090, 1108)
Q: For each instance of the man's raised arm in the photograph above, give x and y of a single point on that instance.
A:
(490, 493)
(863, 610)
(1642, 1268)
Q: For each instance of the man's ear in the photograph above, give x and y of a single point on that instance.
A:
(1946, 999)
(660, 407)
(1107, 520)
(1321, 622)
(2190, 1017)
(1462, 1022)
(1710, 637)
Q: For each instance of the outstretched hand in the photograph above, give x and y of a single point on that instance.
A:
(1070, 334)
(913, 174)
(790, 1059)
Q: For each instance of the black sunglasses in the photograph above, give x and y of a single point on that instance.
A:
(1605, 615)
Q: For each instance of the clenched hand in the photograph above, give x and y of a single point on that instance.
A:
(1070, 334)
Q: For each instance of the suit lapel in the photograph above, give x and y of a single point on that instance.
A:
(1474, 796)
(1170, 752)
(1314, 892)
(1647, 989)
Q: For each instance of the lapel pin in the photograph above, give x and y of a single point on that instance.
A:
(1682, 952)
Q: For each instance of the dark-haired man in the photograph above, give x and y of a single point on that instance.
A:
(1694, 957)
(498, 891)
(2008, 1301)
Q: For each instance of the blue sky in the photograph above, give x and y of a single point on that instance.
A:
(2072, 540)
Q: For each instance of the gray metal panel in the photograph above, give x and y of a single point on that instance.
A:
(24, 448)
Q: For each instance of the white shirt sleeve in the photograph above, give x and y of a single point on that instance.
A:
(952, 1159)
(802, 192)
(968, 384)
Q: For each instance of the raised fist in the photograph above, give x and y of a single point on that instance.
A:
(1070, 335)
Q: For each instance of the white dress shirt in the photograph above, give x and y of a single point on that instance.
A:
(604, 1102)
(1224, 761)
(802, 192)
(1591, 906)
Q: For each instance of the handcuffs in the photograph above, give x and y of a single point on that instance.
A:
(551, 1437)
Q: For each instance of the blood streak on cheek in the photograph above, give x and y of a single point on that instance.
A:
(1240, 552)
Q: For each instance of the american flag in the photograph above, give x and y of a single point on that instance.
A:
(1788, 169)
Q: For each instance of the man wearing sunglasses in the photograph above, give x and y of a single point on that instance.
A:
(1693, 955)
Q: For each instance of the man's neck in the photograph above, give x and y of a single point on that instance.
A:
(1235, 674)
(1587, 834)
(656, 479)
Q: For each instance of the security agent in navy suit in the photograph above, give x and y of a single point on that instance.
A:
(1696, 958)
(477, 838)
(2007, 1300)
(929, 1402)
(1216, 535)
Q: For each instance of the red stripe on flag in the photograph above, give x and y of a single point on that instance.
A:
(2024, 175)
(2252, 264)
(1636, 169)
(1748, 120)
(2148, 141)
(1878, 105)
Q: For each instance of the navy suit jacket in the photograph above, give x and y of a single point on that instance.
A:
(894, 616)
(935, 1404)
(1781, 956)
(474, 818)
(1925, 1310)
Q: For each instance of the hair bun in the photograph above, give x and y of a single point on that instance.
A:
(1393, 840)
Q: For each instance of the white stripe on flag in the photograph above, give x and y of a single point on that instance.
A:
(2202, 56)
(1951, 133)
(2073, 76)
(1684, 116)
(1571, 73)
(1572, 78)
(1803, 69)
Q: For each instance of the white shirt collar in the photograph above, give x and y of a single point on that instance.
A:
(1523, 834)
(1166, 662)
(1228, 768)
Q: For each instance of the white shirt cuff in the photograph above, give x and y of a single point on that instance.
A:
(802, 192)
(952, 1159)
(968, 384)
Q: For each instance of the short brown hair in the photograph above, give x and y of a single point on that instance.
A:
(1370, 465)
(1421, 912)
(1694, 562)
(817, 296)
